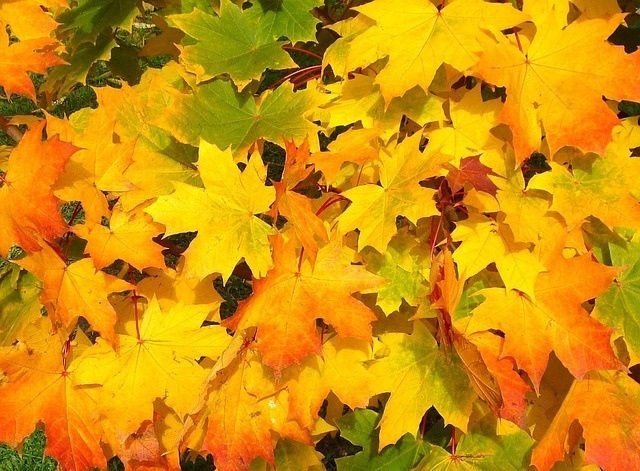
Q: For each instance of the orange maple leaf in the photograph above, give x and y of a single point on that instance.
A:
(40, 387)
(244, 408)
(555, 320)
(606, 404)
(29, 19)
(286, 303)
(75, 290)
(35, 55)
(556, 83)
(28, 208)
(294, 206)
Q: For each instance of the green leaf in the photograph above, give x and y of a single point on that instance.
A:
(419, 375)
(401, 265)
(85, 21)
(618, 306)
(62, 77)
(225, 117)
(294, 456)
(19, 305)
(237, 42)
(483, 450)
(359, 428)
(289, 18)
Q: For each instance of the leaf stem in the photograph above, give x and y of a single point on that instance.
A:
(515, 32)
(303, 51)
(136, 314)
(302, 71)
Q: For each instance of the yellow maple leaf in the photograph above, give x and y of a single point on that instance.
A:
(75, 290)
(374, 208)
(223, 213)
(485, 241)
(161, 363)
(128, 237)
(418, 38)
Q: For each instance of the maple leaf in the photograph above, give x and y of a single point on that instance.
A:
(290, 18)
(347, 354)
(419, 375)
(541, 81)
(88, 18)
(40, 387)
(243, 409)
(297, 208)
(128, 237)
(159, 363)
(292, 455)
(165, 43)
(226, 117)
(473, 171)
(359, 99)
(28, 208)
(511, 386)
(34, 55)
(295, 295)
(604, 182)
(609, 448)
(75, 290)
(63, 77)
(469, 135)
(172, 286)
(524, 208)
(401, 265)
(28, 19)
(223, 213)
(19, 305)
(492, 377)
(360, 428)
(617, 306)
(485, 241)
(481, 450)
(374, 208)
(555, 320)
(418, 38)
(238, 42)
(357, 146)
(97, 166)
